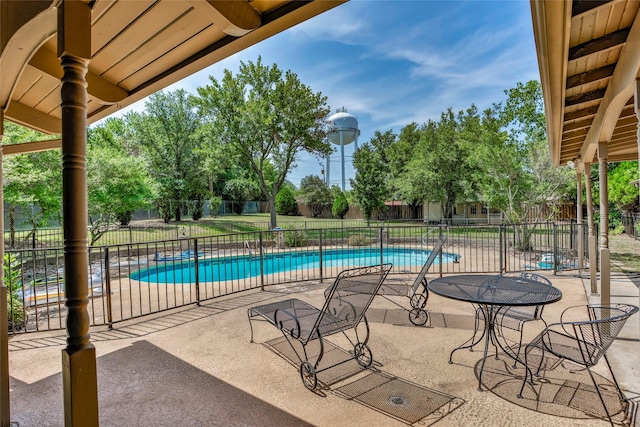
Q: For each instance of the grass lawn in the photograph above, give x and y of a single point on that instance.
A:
(625, 253)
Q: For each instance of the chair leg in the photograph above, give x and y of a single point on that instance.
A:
(615, 381)
(527, 372)
(250, 325)
(604, 405)
(517, 358)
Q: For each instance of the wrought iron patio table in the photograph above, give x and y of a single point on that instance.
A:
(491, 293)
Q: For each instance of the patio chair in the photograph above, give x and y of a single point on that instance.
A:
(515, 317)
(583, 342)
(417, 292)
(346, 303)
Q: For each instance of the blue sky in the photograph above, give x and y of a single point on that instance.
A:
(390, 63)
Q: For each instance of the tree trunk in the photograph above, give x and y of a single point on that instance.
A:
(272, 211)
(178, 213)
(12, 226)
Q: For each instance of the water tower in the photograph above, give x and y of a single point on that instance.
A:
(342, 130)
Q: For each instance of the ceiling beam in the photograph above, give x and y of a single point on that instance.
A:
(620, 90)
(235, 18)
(623, 157)
(47, 61)
(581, 114)
(579, 7)
(625, 131)
(31, 147)
(32, 118)
(606, 42)
(579, 124)
(590, 76)
(584, 97)
(580, 133)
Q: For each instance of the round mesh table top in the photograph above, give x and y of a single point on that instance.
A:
(494, 289)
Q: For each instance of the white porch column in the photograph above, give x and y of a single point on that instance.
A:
(79, 375)
(5, 400)
(579, 213)
(605, 255)
(637, 108)
(593, 258)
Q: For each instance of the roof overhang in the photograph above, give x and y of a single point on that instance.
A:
(137, 48)
(589, 57)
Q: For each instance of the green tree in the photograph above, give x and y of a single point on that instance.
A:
(515, 173)
(340, 206)
(169, 134)
(399, 154)
(239, 191)
(112, 133)
(439, 169)
(315, 193)
(622, 193)
(268, 118)
(368, 187)
(118, 184)
(32, 181)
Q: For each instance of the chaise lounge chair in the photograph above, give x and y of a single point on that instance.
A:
(417, 292)
(346, 303)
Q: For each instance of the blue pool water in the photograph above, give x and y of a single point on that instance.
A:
(221, 269)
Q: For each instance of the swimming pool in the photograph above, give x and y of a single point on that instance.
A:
(233, 268)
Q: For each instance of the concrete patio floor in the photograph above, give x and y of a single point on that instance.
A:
(196, 367)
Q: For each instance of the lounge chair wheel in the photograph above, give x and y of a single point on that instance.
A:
(363, 354)
(418, 316)
(418, 301)
(308, 375)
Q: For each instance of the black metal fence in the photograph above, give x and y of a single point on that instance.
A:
(127, 281)
(43, 238)
(631, 223)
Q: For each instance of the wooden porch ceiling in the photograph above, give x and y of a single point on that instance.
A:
(589, 57)
(137, 48)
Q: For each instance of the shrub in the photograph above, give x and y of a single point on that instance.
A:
(197, 209)
(340, 206)
(165, 210)
(359, 240)
(16, 315)
(214, 205)
(295, 239)
(286, 203)
(124, 218)
(617, 230)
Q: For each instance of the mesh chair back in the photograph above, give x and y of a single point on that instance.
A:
(349, 298)
(596, 335)
(533, 311)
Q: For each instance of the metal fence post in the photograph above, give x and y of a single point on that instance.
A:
(197, 270)
(381, 245)
(555, 249)
(502, 244)
(440, 254)
(320, 253)
(107, 285)
(261, 262)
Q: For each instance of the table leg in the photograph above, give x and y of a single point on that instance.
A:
(473, 340)
(488, 333)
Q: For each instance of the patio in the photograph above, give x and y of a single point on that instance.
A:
(195, 367)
